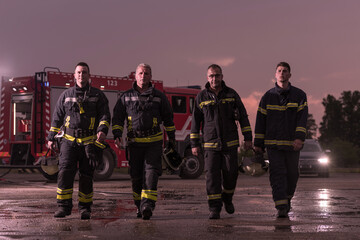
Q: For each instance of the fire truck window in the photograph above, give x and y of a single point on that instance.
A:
(192, 103)
(21, 108)
(178, 104)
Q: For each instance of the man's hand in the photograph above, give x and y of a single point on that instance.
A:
(258, 149)
(297, 144)
(100, 136)
(248, 145)
(195, 151)
(118, 142)
(50, 145)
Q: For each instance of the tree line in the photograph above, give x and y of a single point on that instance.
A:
(340, 128)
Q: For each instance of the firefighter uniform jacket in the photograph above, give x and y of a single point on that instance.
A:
(81, 113)
(217, 115)
(143, 113)
(281, 118)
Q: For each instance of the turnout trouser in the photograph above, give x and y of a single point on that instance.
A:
(284, 174)
(145, 169)
(221, 175)
(72, 155)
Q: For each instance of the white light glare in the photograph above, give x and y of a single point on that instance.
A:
(323, 160)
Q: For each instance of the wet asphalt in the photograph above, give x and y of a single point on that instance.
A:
(323, 208)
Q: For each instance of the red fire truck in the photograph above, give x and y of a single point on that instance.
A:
(27, 104)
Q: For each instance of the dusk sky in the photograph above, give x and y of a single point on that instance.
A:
(179, 39)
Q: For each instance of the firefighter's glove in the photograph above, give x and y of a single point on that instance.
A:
(94, 154)
(171, 144)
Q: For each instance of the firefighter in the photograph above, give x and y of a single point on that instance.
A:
(82, 119)
(143, 108)
(281, 129)
(217, 108)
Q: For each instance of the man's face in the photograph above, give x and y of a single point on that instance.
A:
(143, 77)
(214, 77)
(81, 76)
(282, 75)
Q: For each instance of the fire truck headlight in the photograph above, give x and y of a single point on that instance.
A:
(25, 88)
(14, 89)
(323, 160)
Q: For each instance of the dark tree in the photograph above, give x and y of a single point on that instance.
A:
(311, 127)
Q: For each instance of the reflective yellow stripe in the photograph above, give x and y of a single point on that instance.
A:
(278, 142)
(281, 202)
(67, 123)
(63, 194)
(86, 198)
(129, 123)
(259, 135)
(263, 111)
(85, 140)
(246, 129)
(194, 135)
(227, 100)
(301, 107)
(228, 190)
(282, 108)
(210, 145)
(117, 127)
(104, 123)
(170, 128)
(81, 108)
(301, 129)
(155, 122)
(202, 104)
(214, 196)
(232, 143)
(149, 194)
(54, 129)
(153, 138)
(136, 196)
(99, 144)
(92, 123)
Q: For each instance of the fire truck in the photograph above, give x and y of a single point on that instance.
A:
(27, 104)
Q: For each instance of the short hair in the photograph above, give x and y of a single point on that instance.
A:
(215, 66)
(83, 64)
(284, 64)
(144, 65)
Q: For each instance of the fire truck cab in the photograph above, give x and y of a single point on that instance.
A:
(27, 104)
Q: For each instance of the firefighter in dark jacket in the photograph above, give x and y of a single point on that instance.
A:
(81, 118)
(281, 129)
(143, 108)
(217, 108)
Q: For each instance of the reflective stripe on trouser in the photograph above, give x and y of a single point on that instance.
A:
(284, 174)
(221, 176)
(70, 156)
(145, 169)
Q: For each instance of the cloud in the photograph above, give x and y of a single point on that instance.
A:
(251, 103)
(223, 62)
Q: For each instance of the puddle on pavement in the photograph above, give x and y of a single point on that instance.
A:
(172, 195)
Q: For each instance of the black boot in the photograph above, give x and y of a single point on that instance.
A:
(229, 207)
(214, 215)
(62, 212)
(85, 214)
(146, 213)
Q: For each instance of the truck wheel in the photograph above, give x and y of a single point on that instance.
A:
(106, 168)
(192, 167)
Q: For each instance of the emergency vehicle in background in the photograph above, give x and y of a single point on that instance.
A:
(27, 105)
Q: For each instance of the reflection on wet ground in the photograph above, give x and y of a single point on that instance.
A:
(26, 211)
